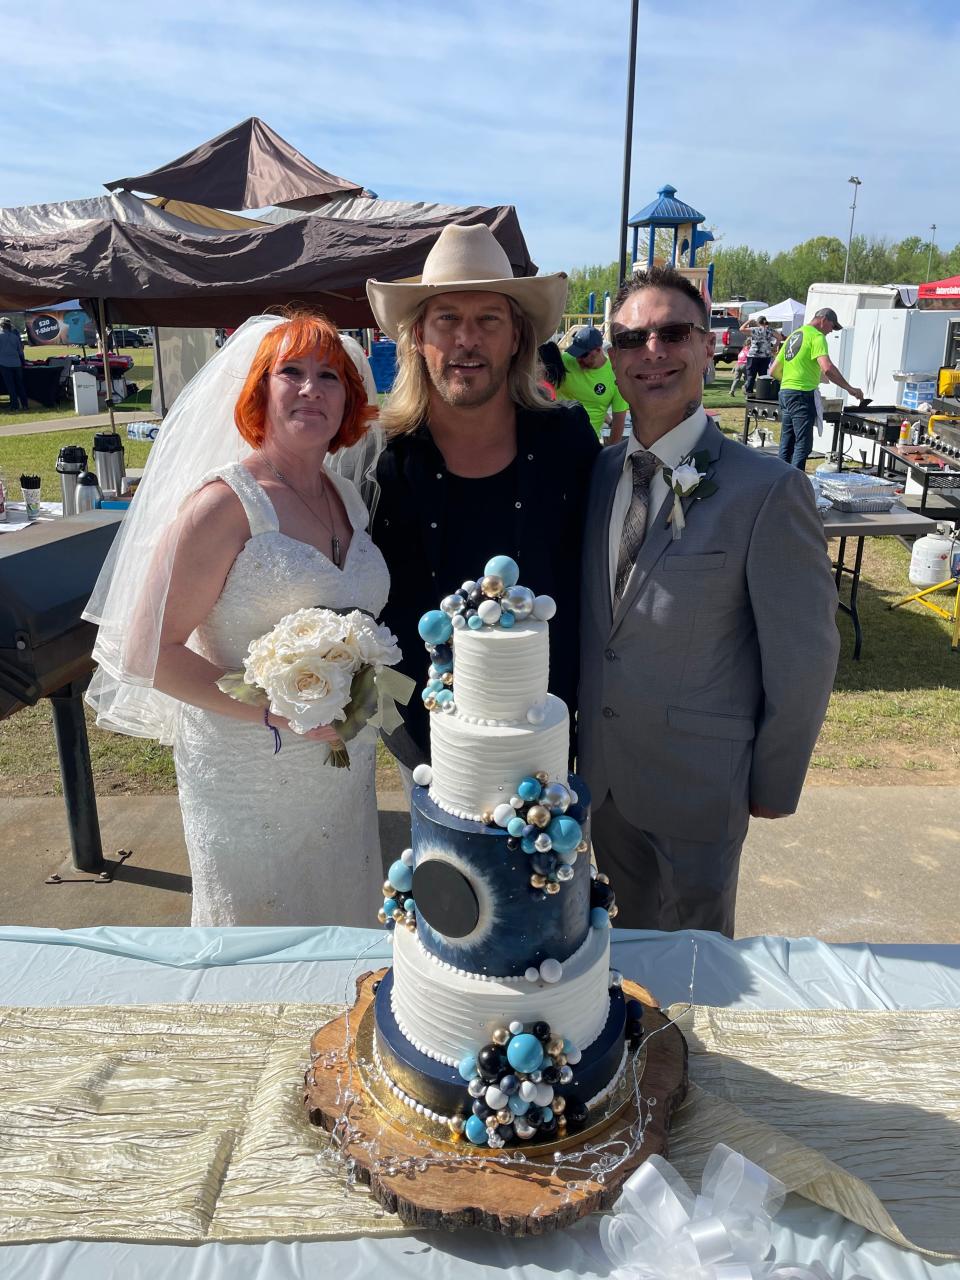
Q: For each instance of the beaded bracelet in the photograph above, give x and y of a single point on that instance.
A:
(277, 740)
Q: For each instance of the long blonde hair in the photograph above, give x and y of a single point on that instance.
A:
(407, 405)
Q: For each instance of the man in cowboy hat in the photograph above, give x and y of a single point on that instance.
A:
(478, 462)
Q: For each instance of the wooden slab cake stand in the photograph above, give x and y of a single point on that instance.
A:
(453, 1192)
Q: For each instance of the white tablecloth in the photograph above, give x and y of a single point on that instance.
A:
(146, 966)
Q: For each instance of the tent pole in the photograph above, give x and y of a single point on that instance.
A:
(107, 379)
(158, 370)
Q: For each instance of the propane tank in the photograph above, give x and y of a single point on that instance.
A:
(930, 562)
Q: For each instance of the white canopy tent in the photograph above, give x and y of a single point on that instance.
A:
(788, 314)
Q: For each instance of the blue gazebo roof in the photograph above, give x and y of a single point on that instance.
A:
(666, 211)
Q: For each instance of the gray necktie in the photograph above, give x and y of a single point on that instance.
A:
(635, 524)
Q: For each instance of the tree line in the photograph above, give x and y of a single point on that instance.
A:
(754, 273)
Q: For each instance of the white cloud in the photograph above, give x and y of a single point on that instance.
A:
(758, 115)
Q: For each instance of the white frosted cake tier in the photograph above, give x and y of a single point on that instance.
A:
(447, 1013)
(500, 675)
(477, 766)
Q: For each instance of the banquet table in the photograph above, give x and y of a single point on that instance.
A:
(136, 966)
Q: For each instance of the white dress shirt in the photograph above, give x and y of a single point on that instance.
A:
(670, 449)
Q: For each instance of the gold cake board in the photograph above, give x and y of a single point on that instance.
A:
(460, 1185)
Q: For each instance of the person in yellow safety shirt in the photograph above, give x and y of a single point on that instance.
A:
(800, 365)
(588, 378)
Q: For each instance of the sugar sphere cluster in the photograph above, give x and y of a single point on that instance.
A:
(513, 1085)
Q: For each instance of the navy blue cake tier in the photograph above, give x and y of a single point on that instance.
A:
(478, 912)
(442, 1088)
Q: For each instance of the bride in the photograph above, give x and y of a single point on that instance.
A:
(239, 521)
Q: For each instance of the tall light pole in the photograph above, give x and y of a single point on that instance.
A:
(853, 213)
(628, 143)
(933, 232)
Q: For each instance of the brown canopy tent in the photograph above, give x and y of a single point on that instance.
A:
(146, 274)
(246, 167)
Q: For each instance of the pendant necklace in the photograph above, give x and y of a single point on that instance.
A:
(330, 528)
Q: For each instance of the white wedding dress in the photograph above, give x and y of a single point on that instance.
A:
(279, 839)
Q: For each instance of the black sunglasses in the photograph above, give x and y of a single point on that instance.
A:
(670, 334)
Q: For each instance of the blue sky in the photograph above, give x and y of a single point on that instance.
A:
(757, 112)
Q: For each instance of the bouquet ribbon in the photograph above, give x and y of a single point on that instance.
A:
(660, 1230)
(392, 687)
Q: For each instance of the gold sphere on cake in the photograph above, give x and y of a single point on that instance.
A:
(398, 914)
(500, 1035)
(542, 777)
(555, 1046)
(447, 678)
(561, 1126)
(559, 1104)
(487, 818)
(382, 916)
(552, 886)
(492, 586)
(505, 1116)
(388, 889)
(602, 877)
(538, 815)
(613, 911)
(583, 846)
(431, 703)
(537, 881)
(410, 926)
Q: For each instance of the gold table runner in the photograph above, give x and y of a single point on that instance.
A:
(183, 1123)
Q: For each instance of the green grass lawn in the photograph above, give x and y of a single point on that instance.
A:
(37, 455)
(894, 715)
(141, 374)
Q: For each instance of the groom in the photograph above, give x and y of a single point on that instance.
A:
(707, 659)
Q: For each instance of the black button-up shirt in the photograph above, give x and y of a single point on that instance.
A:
(436, 531)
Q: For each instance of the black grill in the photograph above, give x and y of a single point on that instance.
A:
(46, 575)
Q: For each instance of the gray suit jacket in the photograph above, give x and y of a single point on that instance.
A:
(708, 686)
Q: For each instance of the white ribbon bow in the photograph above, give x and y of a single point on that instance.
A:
(659, 1230)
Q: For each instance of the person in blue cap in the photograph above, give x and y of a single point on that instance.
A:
(589, 379)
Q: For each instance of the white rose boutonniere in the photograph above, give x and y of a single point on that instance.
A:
(688, 478)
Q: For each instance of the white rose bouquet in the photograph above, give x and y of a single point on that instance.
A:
(320, 667)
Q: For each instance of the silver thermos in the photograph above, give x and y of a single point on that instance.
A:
(70, 463)
(108, 462)
(88, 491)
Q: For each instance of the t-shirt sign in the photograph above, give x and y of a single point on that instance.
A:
(800, 353)
(596, 390)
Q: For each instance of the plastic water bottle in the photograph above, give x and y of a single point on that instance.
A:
(142, 430)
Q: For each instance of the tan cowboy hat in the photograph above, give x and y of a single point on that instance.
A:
(468, 258)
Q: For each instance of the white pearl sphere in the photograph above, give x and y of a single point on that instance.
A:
(573, 1056)
(407, 857)
(528, 1090)
(467, 586)
(488, 612)
(537, 715)
(544, 607)
(532, 974)
(495, 1098)
(543, 843)
(423, 775)
(516, 802)
(544, 1095)
(459, 621)
(503, 813)
(551, 970)
(515, 1028)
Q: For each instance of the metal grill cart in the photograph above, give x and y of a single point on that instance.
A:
(46, 575)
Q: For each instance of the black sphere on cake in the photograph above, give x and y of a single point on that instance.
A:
(500, 1022)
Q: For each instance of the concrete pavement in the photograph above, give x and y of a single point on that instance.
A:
(855, 864)
(75, 422)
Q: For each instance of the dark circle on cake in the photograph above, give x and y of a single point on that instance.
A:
(576, 1112)
(541, 1030)
(489, 1062)
(445, 898)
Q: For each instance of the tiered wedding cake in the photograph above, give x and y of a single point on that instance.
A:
(500, 1021)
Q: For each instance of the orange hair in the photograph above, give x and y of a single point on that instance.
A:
(304, 333)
